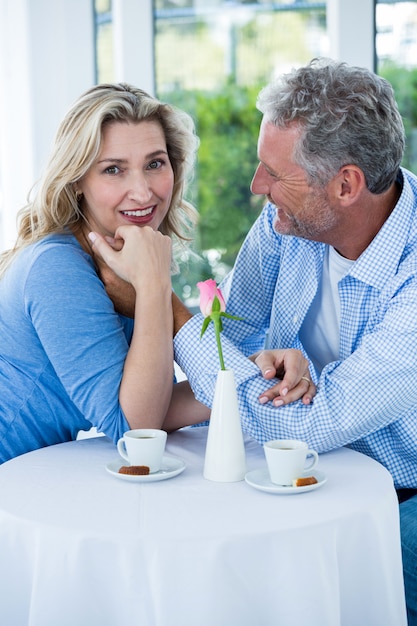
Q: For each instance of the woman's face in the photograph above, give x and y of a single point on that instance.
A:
(131, 182)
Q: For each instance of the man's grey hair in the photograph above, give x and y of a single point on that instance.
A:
(347, 115)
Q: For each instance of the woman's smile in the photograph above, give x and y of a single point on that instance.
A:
(139, 216)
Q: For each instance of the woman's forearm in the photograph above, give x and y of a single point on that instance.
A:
(184, 409)
(146, 386)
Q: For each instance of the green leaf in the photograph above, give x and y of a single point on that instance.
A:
(231, 317)
(216, 307)
(206, 322)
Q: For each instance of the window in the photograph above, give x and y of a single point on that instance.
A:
(211, 58)
(396, 52)
(104, 41)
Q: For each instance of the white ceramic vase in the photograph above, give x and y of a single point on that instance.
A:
(225, 450)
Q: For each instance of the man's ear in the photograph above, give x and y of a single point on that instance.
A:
(348, 184)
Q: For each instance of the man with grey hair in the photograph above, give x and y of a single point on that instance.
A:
(329, 268)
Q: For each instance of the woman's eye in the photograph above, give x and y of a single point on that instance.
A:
(155, 165)
(113, 169)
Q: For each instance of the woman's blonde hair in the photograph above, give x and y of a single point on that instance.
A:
(55, 205)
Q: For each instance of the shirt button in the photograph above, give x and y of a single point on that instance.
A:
(295, 319)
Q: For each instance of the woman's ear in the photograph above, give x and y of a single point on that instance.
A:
(78, 192)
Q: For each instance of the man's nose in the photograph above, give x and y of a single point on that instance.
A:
(259, 184)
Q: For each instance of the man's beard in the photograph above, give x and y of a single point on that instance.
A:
(316, 219)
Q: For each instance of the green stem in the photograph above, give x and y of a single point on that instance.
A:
(216, 320)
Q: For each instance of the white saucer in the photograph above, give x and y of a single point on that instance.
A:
(171, 466)
(260, 480)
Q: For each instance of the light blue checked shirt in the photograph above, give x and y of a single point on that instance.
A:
(368, 398)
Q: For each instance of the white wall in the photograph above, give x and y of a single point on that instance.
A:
(46, 61)
(133, 34)
(350, 25)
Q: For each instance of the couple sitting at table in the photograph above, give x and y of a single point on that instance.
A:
(329, 269)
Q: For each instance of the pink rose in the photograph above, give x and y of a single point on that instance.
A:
(209, 291)
(213, 308)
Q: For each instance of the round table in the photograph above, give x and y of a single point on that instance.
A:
(80, 547)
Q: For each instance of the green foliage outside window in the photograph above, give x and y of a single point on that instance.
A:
(404, 82)
(227, 123)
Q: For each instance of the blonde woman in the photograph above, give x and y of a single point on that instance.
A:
(68, 360)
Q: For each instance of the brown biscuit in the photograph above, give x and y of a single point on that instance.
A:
(302, 482)
(134, 470)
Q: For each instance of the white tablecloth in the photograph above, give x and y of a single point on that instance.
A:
(79, 547)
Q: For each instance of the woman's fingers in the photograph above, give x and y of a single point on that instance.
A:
(140, 256)
(101, 248)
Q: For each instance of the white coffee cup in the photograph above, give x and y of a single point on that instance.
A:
(143, 446)
(286, 460)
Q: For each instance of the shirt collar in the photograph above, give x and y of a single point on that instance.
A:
(375, 266)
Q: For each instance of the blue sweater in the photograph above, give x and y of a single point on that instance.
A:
(62, 349)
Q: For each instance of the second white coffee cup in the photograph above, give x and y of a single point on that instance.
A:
(143, 446)
(286, 460)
